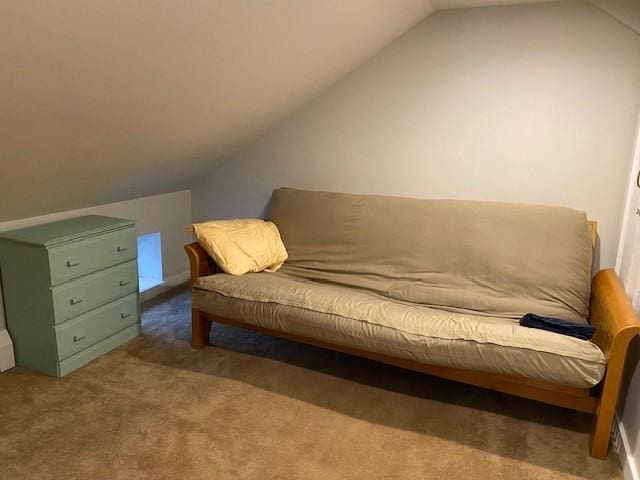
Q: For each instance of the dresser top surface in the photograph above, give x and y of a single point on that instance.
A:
(68, 230)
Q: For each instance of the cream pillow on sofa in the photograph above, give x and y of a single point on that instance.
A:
(242, 246)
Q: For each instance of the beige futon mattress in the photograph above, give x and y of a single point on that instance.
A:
(368, 321)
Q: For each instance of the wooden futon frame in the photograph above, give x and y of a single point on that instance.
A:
(609, 311)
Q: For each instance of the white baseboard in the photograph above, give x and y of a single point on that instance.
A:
(7, 359)
(178, 279)
(627, 460)
(168, 283)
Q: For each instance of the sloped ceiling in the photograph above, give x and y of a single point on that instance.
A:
(107, 100)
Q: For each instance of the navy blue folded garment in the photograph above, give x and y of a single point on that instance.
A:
(577, 330)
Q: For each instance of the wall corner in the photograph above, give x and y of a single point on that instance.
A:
(627, 459)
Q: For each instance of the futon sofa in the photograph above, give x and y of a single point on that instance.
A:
(436, 286)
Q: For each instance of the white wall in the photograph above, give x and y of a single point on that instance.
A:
(530, 103)
(168, 213)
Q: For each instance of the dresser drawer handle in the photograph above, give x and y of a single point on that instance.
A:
(124, 283)
(77, 338)
(75, 301)
(121, 249)
(124, 315)
(72, 263)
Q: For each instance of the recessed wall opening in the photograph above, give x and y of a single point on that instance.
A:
(149, 261)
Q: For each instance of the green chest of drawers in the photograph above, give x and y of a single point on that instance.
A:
(70, 291)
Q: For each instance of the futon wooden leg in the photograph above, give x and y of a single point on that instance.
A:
(601, 434)
(200, 328)
(599, 441)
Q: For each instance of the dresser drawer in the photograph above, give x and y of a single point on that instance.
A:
(80, 359)
(85, 330)
(83, 294)
(85, 256)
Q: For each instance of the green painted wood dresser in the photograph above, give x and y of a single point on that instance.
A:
(70, 291)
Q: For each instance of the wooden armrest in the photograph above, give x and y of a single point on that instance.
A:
(616, 324)
(612, 314)
(200, 263)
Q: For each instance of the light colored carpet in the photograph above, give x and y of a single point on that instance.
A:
(255, 407)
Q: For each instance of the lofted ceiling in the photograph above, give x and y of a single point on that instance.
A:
(108, 100)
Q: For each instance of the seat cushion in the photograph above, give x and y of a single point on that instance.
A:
(368, 321)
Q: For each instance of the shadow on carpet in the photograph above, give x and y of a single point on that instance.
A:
(498, 424)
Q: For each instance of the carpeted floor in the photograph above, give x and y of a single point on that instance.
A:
(255, 407)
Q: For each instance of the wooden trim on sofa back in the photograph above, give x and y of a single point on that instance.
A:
(593, 230)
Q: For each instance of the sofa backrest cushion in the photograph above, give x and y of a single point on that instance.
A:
(497, 259)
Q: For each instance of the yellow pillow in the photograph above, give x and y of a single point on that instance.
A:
(242, 246)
